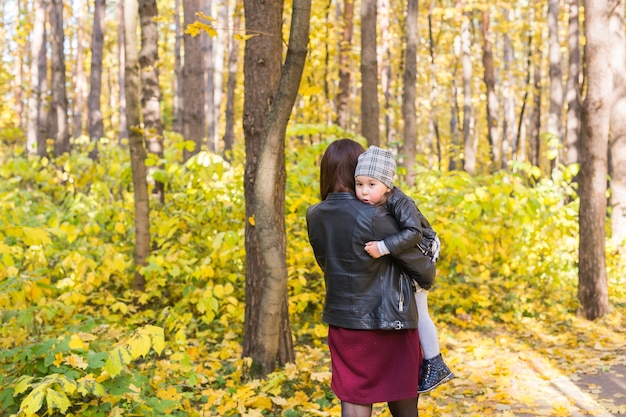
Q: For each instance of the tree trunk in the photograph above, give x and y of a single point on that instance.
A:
(409, 93)
(592, 278)
(555, 115)
(34, 144)
(81, 79)
(208, 61)
(193, 87)
(262, 69)
(57, 65)
(617, 143)
(535, 117)
(177, 123)
(94, 114)
(345, 63)
(231, 84)
(369, 74)
(151, 91)
(121, 45)
(269, 194)
(508, 97)
(135, 144)
(386, 76)
(433, 120)
(492, 99)
(573, 88)
(469, 151)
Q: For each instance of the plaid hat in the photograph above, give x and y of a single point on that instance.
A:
(377, 163)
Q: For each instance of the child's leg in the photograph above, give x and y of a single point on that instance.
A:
(425, 326)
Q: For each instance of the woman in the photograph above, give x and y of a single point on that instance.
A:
(369, 307)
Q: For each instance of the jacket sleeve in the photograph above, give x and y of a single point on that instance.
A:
(409, 219)
(413, 262)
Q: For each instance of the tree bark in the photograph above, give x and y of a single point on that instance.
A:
(94, 114)
(262, 69)
(555, 110)
(434, 144)
(370, 107)
(469, 151)
(177, 123)
(573, 87)
(34, 142)
(151, 90)
(121, 53)
(136, 144)
(508, 97)
(231, 84)
(345, 48)
(592, 278)
(193, 86)
(409, 93)
(269, 193)
(59, 92)
(535, 117)
(492, 99)
(617, 138)
(81, 79)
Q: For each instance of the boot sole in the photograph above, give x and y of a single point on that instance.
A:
(444, 379)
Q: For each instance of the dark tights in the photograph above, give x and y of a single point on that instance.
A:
(401, 408)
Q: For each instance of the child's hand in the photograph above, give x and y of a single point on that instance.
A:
(372, 249)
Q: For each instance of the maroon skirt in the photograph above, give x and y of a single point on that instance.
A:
(372, 366)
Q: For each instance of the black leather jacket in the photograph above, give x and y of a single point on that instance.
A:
(363, 292)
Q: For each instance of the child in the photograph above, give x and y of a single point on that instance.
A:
(374, 176)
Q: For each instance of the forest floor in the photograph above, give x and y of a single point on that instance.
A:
(572, 368)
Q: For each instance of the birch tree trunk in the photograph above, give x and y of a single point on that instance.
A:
(370, 107)
(592, 278)
(409, 96)
(94, 113)
(136, 144)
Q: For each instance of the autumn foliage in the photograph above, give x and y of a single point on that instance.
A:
(75, 340)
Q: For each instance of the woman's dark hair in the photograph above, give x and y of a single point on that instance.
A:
(338, 165)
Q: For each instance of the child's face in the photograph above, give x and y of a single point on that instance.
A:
(369, 190)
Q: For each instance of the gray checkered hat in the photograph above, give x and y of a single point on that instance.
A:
(377, 163)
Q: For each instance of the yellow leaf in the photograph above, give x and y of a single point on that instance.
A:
(251, 220)
(57, 399)
(168, 394)
(76, 361)
(33, 401)
(4, 248)
(119, 228)
(76, 343)
(139, 345)
(218, 290)
(34, 236)
(258, 401)
(117, 359)
(22, 384)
